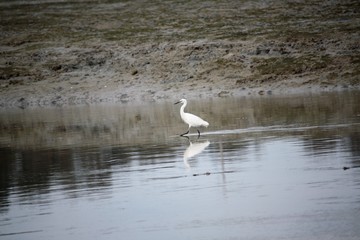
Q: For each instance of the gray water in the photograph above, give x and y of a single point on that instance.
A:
(266, 168)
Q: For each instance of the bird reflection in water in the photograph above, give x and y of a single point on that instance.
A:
(194, 149)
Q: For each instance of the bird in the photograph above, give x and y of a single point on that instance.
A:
(191, 119)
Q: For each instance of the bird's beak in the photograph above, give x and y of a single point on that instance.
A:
(176, 102)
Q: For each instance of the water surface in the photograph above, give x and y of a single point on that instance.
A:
(266, 168)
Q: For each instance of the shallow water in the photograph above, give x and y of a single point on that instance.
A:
(266, 168)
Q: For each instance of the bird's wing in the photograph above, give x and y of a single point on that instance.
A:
(194, 120)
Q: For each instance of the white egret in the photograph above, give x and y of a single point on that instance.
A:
(191, 119)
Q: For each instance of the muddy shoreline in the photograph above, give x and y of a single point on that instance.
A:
(59, 53)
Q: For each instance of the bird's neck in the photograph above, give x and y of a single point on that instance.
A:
(182, 109)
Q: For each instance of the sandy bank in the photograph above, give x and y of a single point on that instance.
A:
(103, 52)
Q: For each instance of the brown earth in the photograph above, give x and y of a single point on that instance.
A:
(57, 53)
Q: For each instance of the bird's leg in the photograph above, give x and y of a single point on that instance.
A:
(184, 133)
(198, 133)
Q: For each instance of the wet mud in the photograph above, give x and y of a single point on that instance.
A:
(58, 53)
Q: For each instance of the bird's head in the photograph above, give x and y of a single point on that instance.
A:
(181, 101)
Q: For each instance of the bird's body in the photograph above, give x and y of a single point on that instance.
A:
(191, 119)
